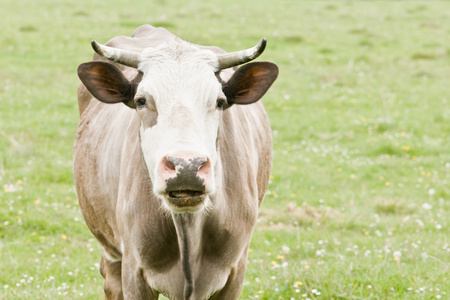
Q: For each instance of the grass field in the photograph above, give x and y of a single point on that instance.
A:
(358, 205)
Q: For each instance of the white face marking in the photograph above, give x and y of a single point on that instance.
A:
(180, 118)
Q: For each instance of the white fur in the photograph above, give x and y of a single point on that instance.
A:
(181, 89)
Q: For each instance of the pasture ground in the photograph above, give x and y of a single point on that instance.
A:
(358, 205)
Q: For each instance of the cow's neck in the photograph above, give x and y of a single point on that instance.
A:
(189, 228)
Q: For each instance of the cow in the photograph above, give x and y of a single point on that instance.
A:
(172, 158)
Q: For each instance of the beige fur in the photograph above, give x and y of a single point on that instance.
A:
(144, 244)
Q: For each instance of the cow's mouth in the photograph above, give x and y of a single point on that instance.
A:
(185, 194)
(186, 198)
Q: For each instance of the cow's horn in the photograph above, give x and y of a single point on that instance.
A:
(240, 57)
(124, 57)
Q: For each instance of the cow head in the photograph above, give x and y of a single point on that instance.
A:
(179, 98)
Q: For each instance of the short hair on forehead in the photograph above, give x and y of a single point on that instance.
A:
(177, 51)
(179, 68)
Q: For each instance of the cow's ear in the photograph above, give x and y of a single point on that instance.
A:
(250, 82)
(107, 83)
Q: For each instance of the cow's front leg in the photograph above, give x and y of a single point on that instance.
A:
(112, 285)
(133, 283)
(233, 287)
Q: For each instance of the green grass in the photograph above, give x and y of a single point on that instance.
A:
(359, 200)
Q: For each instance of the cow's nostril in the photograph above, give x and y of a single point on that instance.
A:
(169, 163)
(204, 166)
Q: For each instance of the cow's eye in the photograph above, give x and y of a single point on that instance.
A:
(141, 102)
(221, 103)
